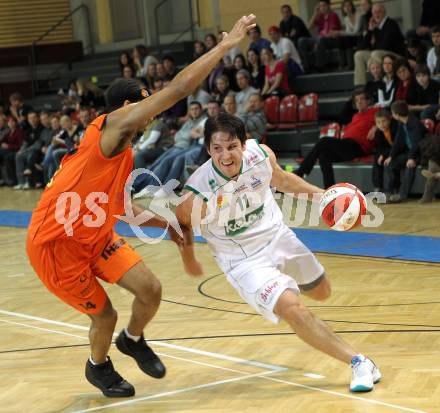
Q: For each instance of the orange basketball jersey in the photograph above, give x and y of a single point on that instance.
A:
(84, 195)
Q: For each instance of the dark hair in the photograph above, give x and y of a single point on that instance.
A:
(243, 59)
(286, 6)
(325, 1)
(435, 29)
(196, 102)
(16, 96)
(382, 113)
(256, 28)
(398, 63)
(422, 69)
(361, 91)
(224, 123)
(169, 57)
(212, 36)
(353, 7)
(400, 108)
(122, 89)
(214, 101)
(269, 49)
(390, 56)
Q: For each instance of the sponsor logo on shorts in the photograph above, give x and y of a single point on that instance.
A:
(265, 294)
(110, 250)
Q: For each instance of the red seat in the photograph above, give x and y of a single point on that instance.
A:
(429, 125)
(364, 159)
(272, 111)
(332, 130)
(308, 108)
(288, 112)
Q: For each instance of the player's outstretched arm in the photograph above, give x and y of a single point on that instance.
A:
(287, 182)
(189, 214)
(123, 123)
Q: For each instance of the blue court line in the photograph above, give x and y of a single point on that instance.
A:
(398, 247)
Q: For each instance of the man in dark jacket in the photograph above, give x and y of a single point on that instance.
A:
(429, 19)
(404, 153)
(292, 26)
(382, 37)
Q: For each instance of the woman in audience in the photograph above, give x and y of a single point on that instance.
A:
(160, 71)
(210, 41)
(128, 72)
(141, 60)
(240, 62)
(222, 89)
(150, 76)
(199, 49)
(125, 60)
(386, 94)
(276, 79)
(348, 38)
(256, 69)
(415, 52)
(406, 84)
(10, 143)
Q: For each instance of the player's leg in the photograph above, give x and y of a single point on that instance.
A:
(119, 263)
(319, 289)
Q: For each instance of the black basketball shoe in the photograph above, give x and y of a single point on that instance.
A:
(146, 359)
(107, 379)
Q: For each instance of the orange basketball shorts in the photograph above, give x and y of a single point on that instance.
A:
(70, 270)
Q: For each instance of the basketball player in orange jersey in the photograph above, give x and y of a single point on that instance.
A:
(71, 242)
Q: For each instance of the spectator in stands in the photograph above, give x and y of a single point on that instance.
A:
(387, 91)
(415, 52)
(176, 114)
(126, 60)
(276, 79)
(150, 76)
(384, 136)
(18, 109)
(246, 90)
(199, 95)
(355, 143)
(169, 65)
(142, 59)
(239, 62)
(433, 60)
(199, 49)
(430, 150)
(12, 137)
(230, 105)
(365, 6)
(89, 94)
(70, 99)
(56, 142)
(128, 72)
(197, 154)
(27, 156)
(429, 19)
(292, 26)
(210, 41)
(383, 37)
(193, 159)
(324, 22)
(160, 71)
(404, 153)
(216, 72)
(84, 121)
(285, 50)
(406, 84)
(254, 118)
(256, 69)
(347, 39)
(222, 89)
(425, 101)
(168, 166)
(156, 139)
(257, 42)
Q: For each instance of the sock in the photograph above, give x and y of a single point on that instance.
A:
(134, 338)
(358, 358)
(97, 364)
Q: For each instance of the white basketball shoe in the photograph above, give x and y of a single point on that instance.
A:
(364, 374)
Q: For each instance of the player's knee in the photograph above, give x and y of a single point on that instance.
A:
(106, 318)
(322, 292)
(150, 291)
(294, 312)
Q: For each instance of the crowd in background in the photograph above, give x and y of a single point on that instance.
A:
(396, 77)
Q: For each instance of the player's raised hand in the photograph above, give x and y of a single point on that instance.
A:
(238, 32)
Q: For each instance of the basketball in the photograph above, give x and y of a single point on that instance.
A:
(342, 207)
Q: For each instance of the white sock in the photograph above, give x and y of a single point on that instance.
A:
(94, 363)
(134, 338)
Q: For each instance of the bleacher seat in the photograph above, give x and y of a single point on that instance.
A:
(288, 112)
(308, 108)
(272, 111)
(332, 130)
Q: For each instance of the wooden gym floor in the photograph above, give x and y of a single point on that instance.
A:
(220, 356)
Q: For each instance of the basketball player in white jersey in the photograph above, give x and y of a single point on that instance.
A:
(232, 203)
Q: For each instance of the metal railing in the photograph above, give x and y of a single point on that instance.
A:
(34, 78)
(191, 27)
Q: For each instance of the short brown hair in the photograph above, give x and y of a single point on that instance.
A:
(400, 108)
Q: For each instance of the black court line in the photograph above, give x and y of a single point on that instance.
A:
(250, 335)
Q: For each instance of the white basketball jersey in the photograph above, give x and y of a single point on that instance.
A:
(243, 216)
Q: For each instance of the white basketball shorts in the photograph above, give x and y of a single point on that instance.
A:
(285, 263)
